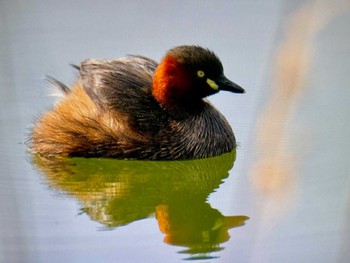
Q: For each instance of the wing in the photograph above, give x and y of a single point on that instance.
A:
(103, 79)
(124, 85)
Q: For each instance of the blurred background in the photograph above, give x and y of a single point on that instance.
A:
(291, 174)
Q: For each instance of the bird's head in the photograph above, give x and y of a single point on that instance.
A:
(187, 74)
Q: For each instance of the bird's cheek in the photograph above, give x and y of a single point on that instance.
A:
(212, 84)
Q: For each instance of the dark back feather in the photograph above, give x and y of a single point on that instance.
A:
(58, 84)
(124, 85)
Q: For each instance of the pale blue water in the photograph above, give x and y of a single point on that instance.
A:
(291, 176)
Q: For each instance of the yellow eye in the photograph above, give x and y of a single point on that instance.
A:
(200, 73)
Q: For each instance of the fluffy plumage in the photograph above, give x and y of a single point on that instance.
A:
(113, 111)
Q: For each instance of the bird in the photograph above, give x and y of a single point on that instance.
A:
(135, 108)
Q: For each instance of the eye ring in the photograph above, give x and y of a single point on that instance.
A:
(200, 73)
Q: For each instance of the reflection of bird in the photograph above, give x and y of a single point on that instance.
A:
(119, 192)
(196, 225)
(134, 108)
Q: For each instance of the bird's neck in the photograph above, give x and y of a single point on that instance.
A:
(172, 85)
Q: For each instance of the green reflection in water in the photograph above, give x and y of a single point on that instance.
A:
(118, 192)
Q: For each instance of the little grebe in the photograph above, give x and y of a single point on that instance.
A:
(134, 108)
